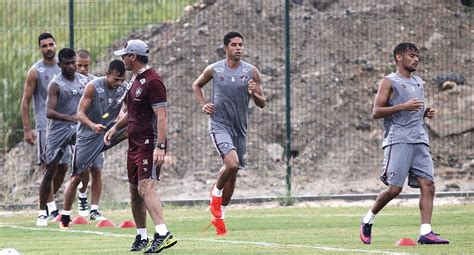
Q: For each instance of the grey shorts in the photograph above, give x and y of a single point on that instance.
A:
(60, 146)
(225, 143)
(87, 152)
(404, 160)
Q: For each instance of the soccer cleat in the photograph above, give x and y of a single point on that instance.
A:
(215, 205)
(365, 232)
(160, 243)
(83, 206)
(95, 215)
(64, 223)
(431, 238)
(139, 243)
(220, 226)
(42, 221)
(53, 215)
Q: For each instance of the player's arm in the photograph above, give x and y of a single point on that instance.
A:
(162, 127)
(28, 90)
(384, 92)
(51, 102)
(121, 123)
(198, 84)
(255, 89)
(84, 105)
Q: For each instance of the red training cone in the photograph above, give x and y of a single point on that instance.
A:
(128, 224)
(105, 224)
(78, 220)
(406, 242)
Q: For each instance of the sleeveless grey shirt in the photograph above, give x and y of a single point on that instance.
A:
(405, 126)
(45, 73)
(230, 97)
(104, 107)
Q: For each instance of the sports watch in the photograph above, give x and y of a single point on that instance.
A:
(161, 146)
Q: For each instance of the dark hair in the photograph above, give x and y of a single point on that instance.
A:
(231, 35)
(142, 59)
(402, 48)
(43, 36)
(117, 65)
(65, 53)
(83, 53)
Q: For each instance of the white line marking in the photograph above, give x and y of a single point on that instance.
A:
(265, 244)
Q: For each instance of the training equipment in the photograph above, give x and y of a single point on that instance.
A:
(160, 243)
(78, 220)
(139, 244)
(405, 242)
(432, 238)
(365, 232)
(127, 224)
(105, 224)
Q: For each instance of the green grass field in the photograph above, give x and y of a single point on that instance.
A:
(282, 230)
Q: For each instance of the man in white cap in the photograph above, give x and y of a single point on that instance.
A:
(146, 117)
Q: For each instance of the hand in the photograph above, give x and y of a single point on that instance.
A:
(208, 108)
(430, 113)
(30, 137)
(413, 105)
(109, 134)
(158, 156)
(98, 128)
(251, 87)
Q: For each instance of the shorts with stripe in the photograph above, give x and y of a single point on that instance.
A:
(88, 151)
(225, 143)
(404, 160)
(140, 163)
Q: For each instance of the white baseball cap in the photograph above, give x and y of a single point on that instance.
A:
(138, 47)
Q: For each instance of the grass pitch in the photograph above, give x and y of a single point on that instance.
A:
(255, 230)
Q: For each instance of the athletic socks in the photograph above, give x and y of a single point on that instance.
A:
(161, 229)
(42, 213)
(142, 233)
(425, 229)
(82, 195)
(216, 192)
(223, 211)
(51, 206)
(94, 207)
(369, 217)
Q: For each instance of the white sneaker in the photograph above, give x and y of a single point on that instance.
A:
(83, 207)
(42, 221)
(96, 215)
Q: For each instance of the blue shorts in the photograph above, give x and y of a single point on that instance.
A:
(404, 160)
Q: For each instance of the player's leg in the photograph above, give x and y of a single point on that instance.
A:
(96, 190)
(83, 204)
(69, 195)
(44, 191)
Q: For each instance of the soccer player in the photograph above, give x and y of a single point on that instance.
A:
(64, 92)
(36, 85)
(235, 82)
(83, 62)
(400, 102)
(98, 109)
(147, 122)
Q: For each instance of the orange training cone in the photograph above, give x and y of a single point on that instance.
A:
(105, 224)
(128, 224)
(406, 242)
(78, 220)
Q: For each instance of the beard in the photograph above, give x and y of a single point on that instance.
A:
(49, 55)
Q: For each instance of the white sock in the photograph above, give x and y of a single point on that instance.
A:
(94, 207)
(42, 213)
(51, 206)
(216, 192)
(161, 229)
(369, 218)
(223, 211)
(65, 212)
(142, 233)
(82, 195)
(425, 229)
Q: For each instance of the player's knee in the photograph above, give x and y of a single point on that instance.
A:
(393, 191)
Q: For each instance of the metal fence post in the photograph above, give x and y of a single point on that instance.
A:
(288, 97)
(71, 24)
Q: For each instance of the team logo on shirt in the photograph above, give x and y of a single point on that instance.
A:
(404, 86)
(138, 92)
(142, 81)
(100, 90)
(221, 78)
(40, 69)
(232, 79)
(243, 78)
(74, 92)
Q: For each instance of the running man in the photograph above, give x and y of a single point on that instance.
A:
(98, 109)
(83, 62)
(36, 86)
(235, 82)
(400, 102)
(64, 92)
(147, 122)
